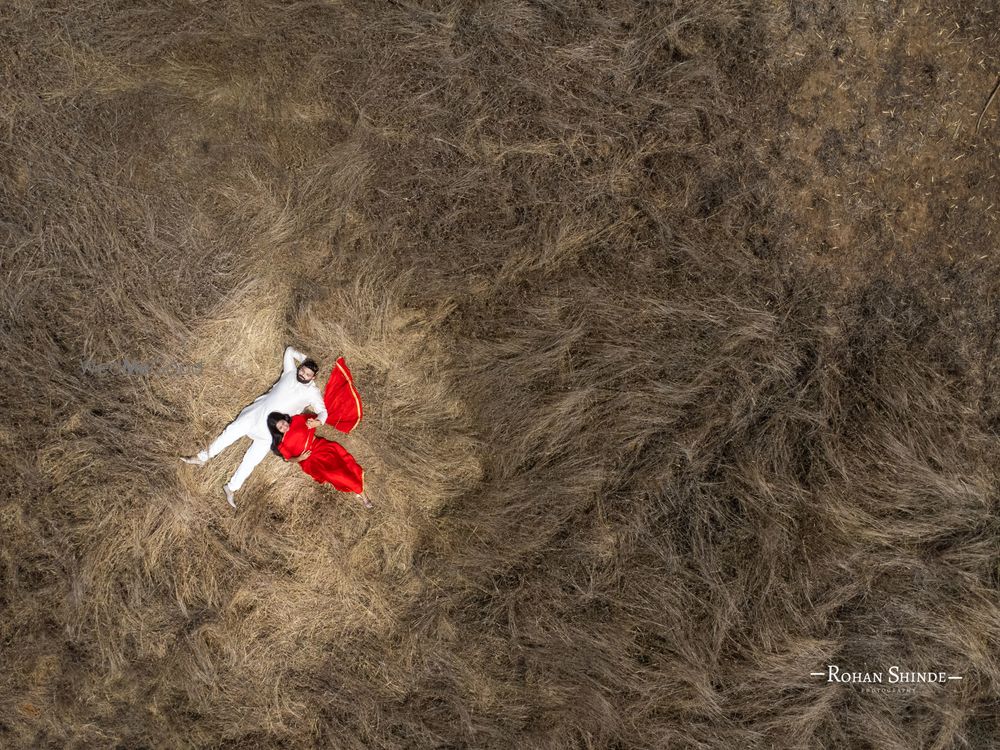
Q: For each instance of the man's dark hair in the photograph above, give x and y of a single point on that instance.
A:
(311, 364)
(272, 426)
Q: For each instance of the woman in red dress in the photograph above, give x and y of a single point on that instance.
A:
(295, 439)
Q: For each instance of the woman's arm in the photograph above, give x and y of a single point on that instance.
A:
(296, 459)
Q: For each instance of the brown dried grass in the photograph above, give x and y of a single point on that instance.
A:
(637, 470)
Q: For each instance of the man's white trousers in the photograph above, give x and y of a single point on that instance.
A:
(238, 428)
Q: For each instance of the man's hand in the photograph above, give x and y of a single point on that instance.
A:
(313, 423)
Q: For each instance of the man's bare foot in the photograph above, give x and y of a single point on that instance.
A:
(229, 495)
(196, 460)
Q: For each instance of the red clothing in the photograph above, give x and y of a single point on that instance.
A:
(343, 403)
(329, 461)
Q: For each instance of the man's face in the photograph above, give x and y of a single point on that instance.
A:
(282, 426)
(305, 375)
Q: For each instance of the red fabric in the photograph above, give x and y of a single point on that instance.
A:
(343, 402)
(329, 461)
(294, 441)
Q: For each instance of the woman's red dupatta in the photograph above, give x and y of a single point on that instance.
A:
(342, 400)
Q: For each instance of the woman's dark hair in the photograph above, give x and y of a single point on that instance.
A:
(311, 364)
(272, 426)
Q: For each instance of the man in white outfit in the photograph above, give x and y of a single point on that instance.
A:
(292, 392)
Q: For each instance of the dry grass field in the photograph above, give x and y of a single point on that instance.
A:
(676, 325)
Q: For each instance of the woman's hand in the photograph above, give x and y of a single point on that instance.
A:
(313, 423)
(303, 456)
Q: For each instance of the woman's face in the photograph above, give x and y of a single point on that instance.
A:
(282, 426)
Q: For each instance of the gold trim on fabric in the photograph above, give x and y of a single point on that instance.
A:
(354, 392)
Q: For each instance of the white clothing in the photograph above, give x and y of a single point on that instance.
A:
(287, 396)
(258, 449)
(255, 454)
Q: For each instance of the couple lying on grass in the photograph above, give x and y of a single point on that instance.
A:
(269, 424)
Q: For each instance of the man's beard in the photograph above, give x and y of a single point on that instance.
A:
(301, 380)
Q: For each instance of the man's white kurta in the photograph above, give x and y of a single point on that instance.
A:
(287, 395)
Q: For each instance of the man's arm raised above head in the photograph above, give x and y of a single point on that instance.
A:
(291, 354)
